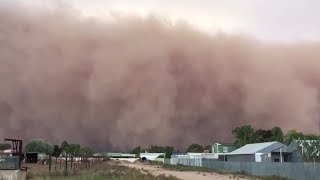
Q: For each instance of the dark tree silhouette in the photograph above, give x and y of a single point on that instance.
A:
(4, 146)
(244, 135)
(56, 153)
(195, 148)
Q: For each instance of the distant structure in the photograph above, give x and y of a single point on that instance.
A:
(114, 155)
(222, 148)
(32, 157)
(151, 156)
(264, 152)
(10, 162)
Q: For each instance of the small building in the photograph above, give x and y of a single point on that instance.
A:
(150, 156)
(218, 149)
(223, 148)
(113, 155)
(262, 152)
(32, 157)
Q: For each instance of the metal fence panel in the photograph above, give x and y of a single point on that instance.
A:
(310, 171)
(9, 163)
(259, 169)
(284, 169)
(299, 171)
(246, 167)
(271, 169)
(218, 165)
(318, 171)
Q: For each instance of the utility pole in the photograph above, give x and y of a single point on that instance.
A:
(281, 154)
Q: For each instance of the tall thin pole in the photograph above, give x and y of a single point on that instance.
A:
(280, 154)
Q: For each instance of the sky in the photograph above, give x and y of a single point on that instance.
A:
(134, 82)
(273, 20)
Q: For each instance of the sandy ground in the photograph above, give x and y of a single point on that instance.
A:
(184, 175)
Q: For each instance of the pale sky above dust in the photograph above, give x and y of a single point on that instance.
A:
(272, 20)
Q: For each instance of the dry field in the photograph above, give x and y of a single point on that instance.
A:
(99, 171)
(124, 170)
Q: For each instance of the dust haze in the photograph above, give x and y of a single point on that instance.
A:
(124, 81)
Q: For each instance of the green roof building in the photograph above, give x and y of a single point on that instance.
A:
(222, 148)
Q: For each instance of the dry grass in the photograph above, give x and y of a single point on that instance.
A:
(104, 170)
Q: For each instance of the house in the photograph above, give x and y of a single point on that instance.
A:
(263, 152)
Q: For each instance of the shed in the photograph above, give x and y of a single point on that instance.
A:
(260, 152)
(150, 156)
(32, 157)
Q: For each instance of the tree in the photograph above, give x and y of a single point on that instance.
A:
(310, 150)
(39, 146)
(86, 152)
(4, 146)
(73, 151)
(263, 135)
(208, 147)
(56, 153)
(168, 150)
(65, 148)
(291, 135)
(277, 134)
(137, 150)
(156, 149)
(244, 135)
(195, 148)
(311, 137)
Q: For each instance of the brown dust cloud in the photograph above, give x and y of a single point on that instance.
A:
(125, 81)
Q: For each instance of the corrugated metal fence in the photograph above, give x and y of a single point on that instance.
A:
(299, 171)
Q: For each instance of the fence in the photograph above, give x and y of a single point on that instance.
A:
(299, 171)
(9, 163)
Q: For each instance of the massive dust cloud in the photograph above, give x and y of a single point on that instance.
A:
(127, 81)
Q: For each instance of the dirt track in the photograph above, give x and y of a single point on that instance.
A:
(185, 175)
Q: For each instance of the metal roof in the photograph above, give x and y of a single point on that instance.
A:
(258, 147)
(225, 144)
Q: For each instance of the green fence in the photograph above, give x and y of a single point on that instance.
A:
(9, 163)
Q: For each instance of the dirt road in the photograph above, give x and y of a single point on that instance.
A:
(184, 175)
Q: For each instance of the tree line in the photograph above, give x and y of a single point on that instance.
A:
(243, 135)
(308, 144)
(246, 135)
(65, 150)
